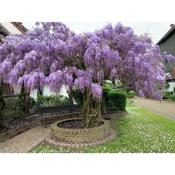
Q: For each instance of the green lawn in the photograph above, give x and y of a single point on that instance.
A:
(140, 131)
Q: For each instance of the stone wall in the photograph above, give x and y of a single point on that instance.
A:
(75, 138)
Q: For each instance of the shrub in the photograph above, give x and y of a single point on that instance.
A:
(21, 103)
(167, 95)
(114, 99)
(130, 94)
(11, 103)
(172, 97)
(77, 95)
(51, 101)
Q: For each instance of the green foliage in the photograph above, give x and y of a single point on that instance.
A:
(172, 97)
(167, 85)
(131, 94)
(114, 98)
(21, 103)
(11, 103)
(15, 107)
(169, 95)
(78, 96)
(51, 101)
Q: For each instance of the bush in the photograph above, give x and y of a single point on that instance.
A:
(172, 97)
(51, 101)
(166, 95)
(114, 99)
(169, 95)
(11, 103)
(21, 103)
(78, 96)
(130, 94)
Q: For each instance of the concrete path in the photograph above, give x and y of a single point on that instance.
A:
(166, 108)
(24, 142)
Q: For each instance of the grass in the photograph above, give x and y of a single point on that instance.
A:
(140, 131)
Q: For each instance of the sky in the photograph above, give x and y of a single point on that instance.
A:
(155, 29)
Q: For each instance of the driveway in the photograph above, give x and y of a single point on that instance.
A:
(166, 108)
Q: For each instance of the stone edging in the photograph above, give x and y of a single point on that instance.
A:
(75, 138)
(38, 120)
(13, 132)
(56, 144)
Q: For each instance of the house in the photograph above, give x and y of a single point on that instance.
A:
(167, 45)
(7, 28)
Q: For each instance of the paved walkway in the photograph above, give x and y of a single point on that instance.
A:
(24, 142)
(166, 108)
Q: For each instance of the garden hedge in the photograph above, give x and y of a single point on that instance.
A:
(113, 99)
(169, 95)
(51, 101)
(131, 94)
(78, 97)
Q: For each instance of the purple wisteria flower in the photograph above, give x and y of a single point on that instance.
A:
(53, 55)
(97, 91)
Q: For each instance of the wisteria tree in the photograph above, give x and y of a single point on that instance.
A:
(51, 54)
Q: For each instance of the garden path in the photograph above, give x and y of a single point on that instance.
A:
(165, 108)
(24, 142)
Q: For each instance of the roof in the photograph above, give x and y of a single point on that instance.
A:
(171, 31)
(20, 27)
(7, 28)
(3, 32)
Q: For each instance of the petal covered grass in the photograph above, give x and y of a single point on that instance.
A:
(141, 131)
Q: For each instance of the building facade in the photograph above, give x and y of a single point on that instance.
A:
(167, 45)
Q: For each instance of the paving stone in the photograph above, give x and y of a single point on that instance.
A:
(24, 142)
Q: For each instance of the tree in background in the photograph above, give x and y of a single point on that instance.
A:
(53, 55)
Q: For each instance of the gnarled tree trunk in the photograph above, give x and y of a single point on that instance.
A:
(91, 112)
(24, 97)
(85, 110)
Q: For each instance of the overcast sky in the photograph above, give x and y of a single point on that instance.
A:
(155, 30)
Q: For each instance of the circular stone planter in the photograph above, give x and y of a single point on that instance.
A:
(66, 137)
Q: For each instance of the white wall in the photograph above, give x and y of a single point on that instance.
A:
(11, 28)
(33, 94)
(171, 86)
(48, 92)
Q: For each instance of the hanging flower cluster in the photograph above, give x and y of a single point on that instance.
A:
(53, 55)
